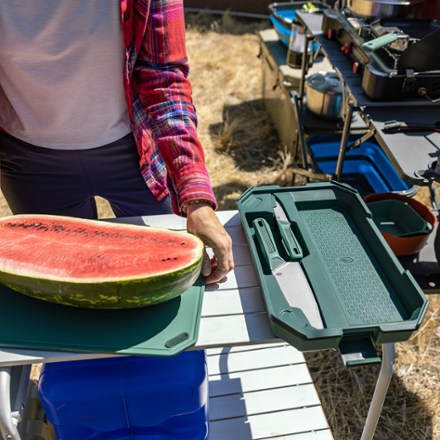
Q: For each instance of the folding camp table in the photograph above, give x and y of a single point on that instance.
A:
(234, 320)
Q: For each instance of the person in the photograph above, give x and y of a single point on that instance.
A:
(95, 101)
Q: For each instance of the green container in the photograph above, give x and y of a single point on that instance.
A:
(164, 329)
(398, 218)
(364, 295)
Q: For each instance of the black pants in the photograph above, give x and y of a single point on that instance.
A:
(37, 180)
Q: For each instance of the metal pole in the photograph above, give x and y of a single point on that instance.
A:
(7, 427)
(304, 64)
(380, 391)
(344, 141)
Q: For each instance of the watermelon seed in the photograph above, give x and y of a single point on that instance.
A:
(26, 225)
(58, 228)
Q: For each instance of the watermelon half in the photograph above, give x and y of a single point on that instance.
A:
(95, 264)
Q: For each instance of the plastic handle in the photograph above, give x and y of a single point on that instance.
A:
(290, 242)
(267, 243)
(379, 42)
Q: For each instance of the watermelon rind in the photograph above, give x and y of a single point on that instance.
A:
(107, 293)
(134, 293)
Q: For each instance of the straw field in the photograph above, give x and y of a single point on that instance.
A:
(242, 149)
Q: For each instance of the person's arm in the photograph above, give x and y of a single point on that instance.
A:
(203, 223)
(165, 93)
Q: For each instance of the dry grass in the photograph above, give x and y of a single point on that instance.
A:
(242, 149)
(411, 409)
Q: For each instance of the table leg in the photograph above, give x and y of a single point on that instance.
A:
(7, 427)
(380, 391)
(344, 141)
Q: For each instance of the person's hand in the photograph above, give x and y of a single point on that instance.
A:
(202, 222)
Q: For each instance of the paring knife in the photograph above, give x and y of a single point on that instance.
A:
(289, 275)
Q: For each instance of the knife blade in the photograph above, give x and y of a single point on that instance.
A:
(289, 275)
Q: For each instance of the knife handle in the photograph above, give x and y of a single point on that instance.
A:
(267, 243)
(290, 242)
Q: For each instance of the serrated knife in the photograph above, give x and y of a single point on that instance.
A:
(289, 275)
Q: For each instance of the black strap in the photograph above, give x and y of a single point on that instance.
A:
(396, 127)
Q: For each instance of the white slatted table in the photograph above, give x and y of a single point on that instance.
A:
(262, 392)
(259, 388)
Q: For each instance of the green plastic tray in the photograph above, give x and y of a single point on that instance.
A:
(161, 330)
(364, 294)
(398, 218)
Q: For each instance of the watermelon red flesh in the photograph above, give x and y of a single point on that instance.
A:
(96, 264)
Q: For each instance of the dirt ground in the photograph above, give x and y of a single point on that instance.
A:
(242, 149)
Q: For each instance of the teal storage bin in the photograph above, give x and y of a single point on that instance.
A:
(398, 218)
(127, 398)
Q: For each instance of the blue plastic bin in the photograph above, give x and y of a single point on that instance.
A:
(128, 398)
(366, 168)
(283, 14)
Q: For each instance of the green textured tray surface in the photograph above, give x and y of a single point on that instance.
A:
(161, 330)
(363, 295)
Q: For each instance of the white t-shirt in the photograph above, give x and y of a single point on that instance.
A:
(61, 72)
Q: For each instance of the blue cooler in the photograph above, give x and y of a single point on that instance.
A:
(122, 398)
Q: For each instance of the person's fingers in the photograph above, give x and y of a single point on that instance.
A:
(206, 264)
(216, 277)
(203, 223)
(223, 267)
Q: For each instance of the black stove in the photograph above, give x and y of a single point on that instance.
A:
(397, 58)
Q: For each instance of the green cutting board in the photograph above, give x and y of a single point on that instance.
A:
(161, 330)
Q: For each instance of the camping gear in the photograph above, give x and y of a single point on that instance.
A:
(384, 8)
(405, 223)
(363, 293)
(397, 58)
(289, 274)
(128, 397)
(297, 43)
(324, 96)
(161, 330)
(366, 168)
(399, 127)
(283, 16)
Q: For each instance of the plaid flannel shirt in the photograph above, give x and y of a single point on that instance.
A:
(159, 100)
